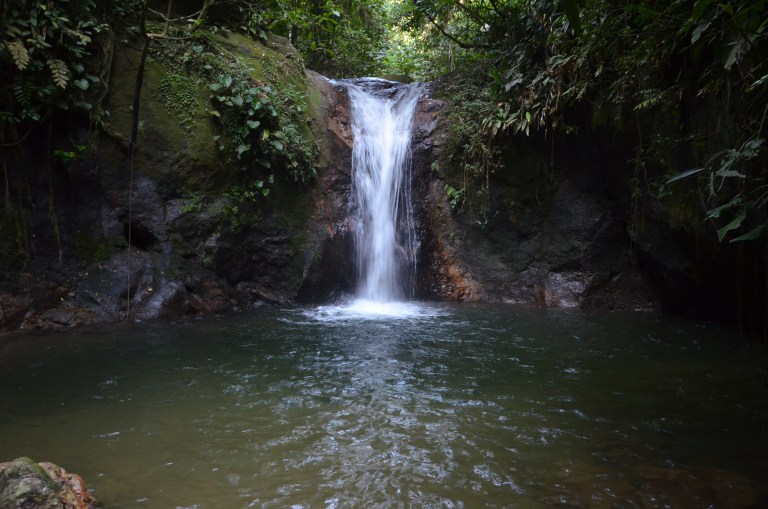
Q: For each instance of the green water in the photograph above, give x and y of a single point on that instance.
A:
(457, 406)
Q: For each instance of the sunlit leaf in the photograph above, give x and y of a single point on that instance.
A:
(700, 28)
(19, 54)
(686, 173)
(59, 72)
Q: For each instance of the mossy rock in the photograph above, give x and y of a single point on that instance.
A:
(27, 484)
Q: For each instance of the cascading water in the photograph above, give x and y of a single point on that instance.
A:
(381, 209)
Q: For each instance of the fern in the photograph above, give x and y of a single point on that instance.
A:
(60, 72)
(651, 97)
(19, 54)
(82, 38)
(22, 93)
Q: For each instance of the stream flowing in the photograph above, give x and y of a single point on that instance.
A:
(455, 406)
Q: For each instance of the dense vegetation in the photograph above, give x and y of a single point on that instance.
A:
(684, 83)
(692, 74)
(524, 65)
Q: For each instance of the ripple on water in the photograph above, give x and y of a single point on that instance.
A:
(332, 407)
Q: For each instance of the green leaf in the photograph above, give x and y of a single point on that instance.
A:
(63, 154)
(723, 172)
(571, 9)
(686, 173)
(253, 124)
(700, 28)
(732, 56)
(81, 84)
(733, 225)
(753, 234)
(715, 213)
(700, 7)
(751, 148)
(59, 72)
(237, 100)
(19, 54)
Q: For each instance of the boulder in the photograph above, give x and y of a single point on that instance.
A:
(25, 484)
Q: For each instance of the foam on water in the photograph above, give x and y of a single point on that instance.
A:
(366, 309)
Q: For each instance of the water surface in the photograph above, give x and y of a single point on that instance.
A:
(453, 406)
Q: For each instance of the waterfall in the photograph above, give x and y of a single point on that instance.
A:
(381, 208)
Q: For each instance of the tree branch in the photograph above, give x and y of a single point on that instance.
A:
(456, 40)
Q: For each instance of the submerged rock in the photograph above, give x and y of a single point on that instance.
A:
(25, 484)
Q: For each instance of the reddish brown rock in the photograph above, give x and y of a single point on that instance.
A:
(29, 485)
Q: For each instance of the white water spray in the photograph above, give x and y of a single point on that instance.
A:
(381, 208)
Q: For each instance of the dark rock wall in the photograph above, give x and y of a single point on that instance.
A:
(561, 227)
(329, 274)
(552, 237)
(161, 241)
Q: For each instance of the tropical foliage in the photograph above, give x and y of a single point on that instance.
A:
(340, 38)
(688, 77)
(44, 59)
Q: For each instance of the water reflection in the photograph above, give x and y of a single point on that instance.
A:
(452, 407)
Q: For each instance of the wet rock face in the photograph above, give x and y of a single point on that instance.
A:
(563, 246)
(329, 272)
(25, 484)
(161, 241)
(571, 251)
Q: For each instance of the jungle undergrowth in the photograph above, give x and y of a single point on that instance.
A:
(262, 123)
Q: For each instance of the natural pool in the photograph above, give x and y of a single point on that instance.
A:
(454, 406)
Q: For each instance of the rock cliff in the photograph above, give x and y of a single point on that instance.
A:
(170, 238)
